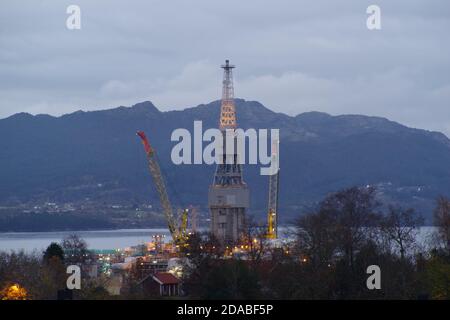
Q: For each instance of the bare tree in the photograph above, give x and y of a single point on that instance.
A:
(355, 215)
(254, 240)
(400, 227)
(316, 238)
(442, 221)
(76, 250)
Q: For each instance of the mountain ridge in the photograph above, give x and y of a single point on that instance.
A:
(63, 158)
(147, 105)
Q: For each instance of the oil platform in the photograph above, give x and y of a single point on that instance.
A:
(228, 197)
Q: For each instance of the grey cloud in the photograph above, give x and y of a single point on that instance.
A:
(292, 55)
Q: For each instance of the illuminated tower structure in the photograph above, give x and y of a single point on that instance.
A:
(228, 197)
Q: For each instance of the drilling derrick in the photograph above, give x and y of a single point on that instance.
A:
(228, 197)
(227, 108)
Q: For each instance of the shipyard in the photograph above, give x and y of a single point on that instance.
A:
(162, 259)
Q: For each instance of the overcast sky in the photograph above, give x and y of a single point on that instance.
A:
(292, 56)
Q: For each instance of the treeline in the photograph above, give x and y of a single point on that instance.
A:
(42, 275)
(44, 222)
(328, 258)
(40, 222)
(333, 247)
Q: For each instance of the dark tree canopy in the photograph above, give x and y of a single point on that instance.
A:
(54, 250)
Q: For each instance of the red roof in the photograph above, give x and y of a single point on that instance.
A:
(165, 278)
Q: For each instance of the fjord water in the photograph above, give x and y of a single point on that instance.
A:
(122, 238)
(97, 239)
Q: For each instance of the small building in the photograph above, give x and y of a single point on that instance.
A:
(162, 284)
(148, 265)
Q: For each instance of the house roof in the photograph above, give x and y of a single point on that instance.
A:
(165, 278)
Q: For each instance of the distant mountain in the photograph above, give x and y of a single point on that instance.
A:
(96, 155)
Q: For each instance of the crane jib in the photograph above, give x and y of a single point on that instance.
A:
(178, 234)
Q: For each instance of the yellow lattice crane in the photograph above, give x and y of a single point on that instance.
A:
(272, 210)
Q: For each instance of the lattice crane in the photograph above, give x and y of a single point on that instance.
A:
(272, 210)
(178, 232)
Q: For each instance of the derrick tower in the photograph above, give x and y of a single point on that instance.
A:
(228, 197)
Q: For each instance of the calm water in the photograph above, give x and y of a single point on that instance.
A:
(100, 239)
(114, 239)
